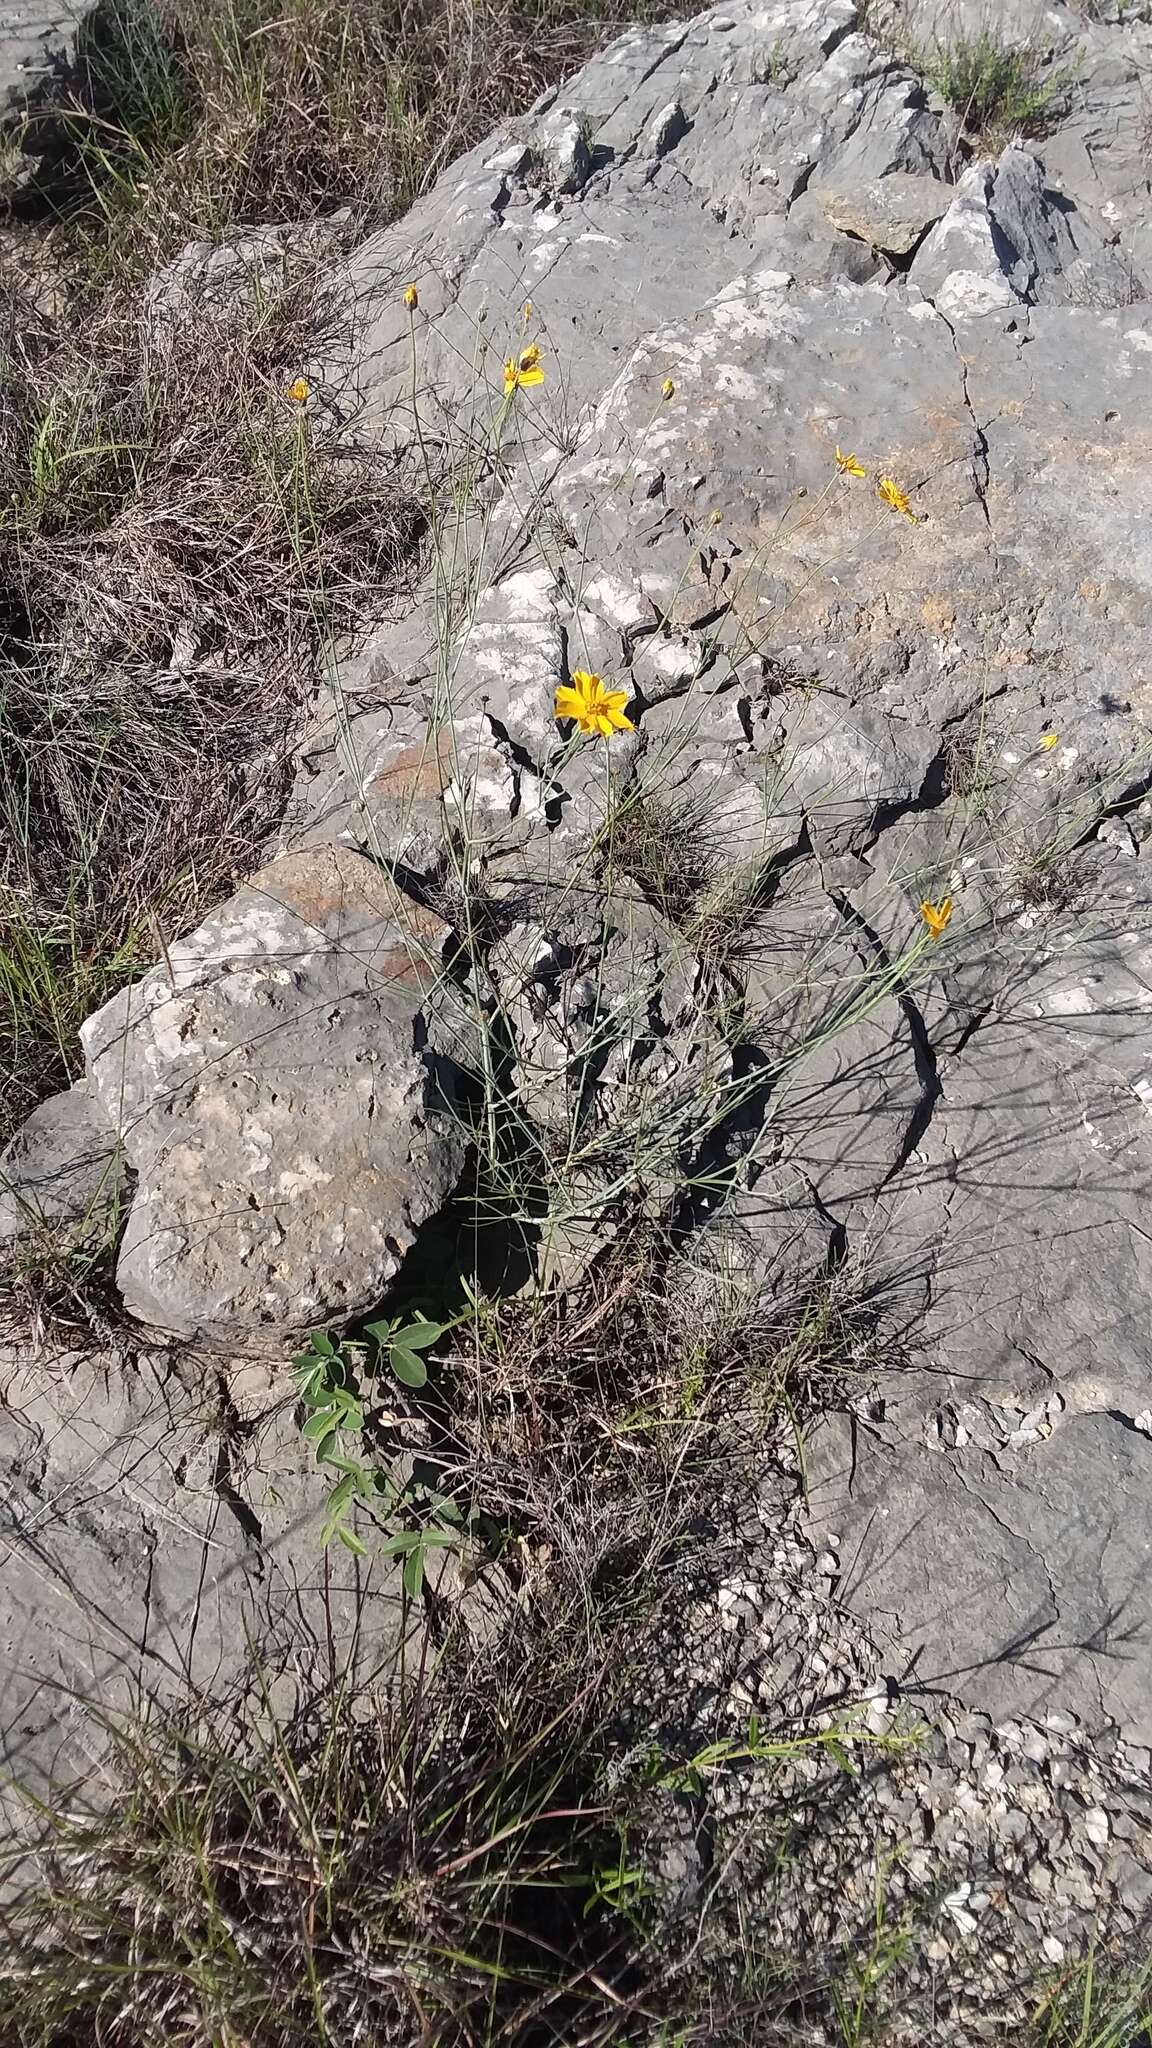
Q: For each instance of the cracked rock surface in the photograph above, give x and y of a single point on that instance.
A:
(873, 708)
(749, 242)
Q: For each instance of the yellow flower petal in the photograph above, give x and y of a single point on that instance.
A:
(896, 498)
(848, 465)
(667, 389)
(411, 298)
(298, 390)
(936, 916)
(523, 369)
(596, 710)
(1050, 740)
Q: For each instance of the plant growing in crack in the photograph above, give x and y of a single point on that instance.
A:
(332, 1377)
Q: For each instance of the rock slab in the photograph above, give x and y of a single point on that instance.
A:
(277, 1097)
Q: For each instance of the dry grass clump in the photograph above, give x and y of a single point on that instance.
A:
(185, 120)
(180, 541)
(411, 1864)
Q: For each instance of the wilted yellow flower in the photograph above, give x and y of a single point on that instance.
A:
(898, 499)
(298, 390)
(595, 709)
(524, 369)
(667, 389)
(411, 297)
(936, 915)
(848, 465)
(527, 311)
(1050, 740)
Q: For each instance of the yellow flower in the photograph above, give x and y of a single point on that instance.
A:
(667, 389)
(527, 311)
(524, 369)
(937, 915)
(848, 465)
(898, 499)
(595, 709)
(1050, 740)
(298, 390)
(411, 298)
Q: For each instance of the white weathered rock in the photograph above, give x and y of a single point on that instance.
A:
(289, 1124)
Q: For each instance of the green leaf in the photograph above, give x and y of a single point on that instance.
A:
(361, 1478)
(418, 1336)
(400, 1546)
(350, 1540)
(315, 1394)
(447, 1509)
(380, 1332)
(318, 1425)
(413, 1574)
(327, 1444)
(409, 1370)
(322, 1344)
(341, 1493)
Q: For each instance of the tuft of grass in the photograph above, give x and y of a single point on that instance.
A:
(666, 853)
(996, 89)
(1096, 2003)
(179, 544)
(58, 1288)
(416, 1864)
(184, 121)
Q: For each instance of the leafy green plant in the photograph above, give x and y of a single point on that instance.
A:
(399, 1345)
(692, 1773)
(331, 1380)
(995, 88)
(622, 1885)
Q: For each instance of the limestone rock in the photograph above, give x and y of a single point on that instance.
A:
(64, 1166)
(290, 1125)
(891, 213)
(1007, 238)
(36, 39)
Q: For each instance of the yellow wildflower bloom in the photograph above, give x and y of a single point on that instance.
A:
(595, 709)
(411, 297)
(298, 390)
(523, 370)
(667, 389)
(848, 465)
(937, 915)
(1050, 740)
(898, 499)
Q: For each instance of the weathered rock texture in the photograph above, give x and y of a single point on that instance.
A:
(842, 706)
(36, 39)
(63, 1167)
(857, 707)
(275, 1091)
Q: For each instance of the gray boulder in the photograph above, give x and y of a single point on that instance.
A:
(289, 1123)
(65, 1166)
(843, 707)
(1007, 237)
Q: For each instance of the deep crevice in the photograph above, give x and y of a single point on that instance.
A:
(923, 1051)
